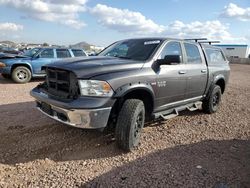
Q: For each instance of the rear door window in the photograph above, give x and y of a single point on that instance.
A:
(193, 54)
(62, 53)
(78, 53)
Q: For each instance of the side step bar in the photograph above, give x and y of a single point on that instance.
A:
(171, 113)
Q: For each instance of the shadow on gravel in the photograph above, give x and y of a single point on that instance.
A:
(209, 163)
(27, 135)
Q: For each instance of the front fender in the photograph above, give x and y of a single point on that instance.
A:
(23, 64)
(11, 63)
(125, 89)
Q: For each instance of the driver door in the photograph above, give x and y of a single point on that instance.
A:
(171, 79)
(44, 57)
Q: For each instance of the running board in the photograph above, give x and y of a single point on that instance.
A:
(195, 106)
(168, 114)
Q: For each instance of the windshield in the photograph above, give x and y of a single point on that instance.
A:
(135, 49)
(31, 52)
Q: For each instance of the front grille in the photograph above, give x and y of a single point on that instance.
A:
(61, 83)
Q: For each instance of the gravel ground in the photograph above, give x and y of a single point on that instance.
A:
(191, 150)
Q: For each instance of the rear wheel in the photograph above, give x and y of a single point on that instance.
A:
(21, 74)
(212, 101)
(129, 124)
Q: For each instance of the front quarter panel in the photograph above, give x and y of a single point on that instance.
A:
(10, 63)
(123, 82)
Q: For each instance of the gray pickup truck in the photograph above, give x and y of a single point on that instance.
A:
(133, 81)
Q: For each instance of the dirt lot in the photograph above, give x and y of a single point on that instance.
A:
(191, 150)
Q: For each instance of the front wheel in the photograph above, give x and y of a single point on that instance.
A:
(21, 74)
(129, 124)
(212, 101)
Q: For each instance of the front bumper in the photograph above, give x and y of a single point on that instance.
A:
(5, 70)
(81, 118)
(87, 119)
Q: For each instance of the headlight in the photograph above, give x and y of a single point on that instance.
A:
(95, 88)
(2, 65)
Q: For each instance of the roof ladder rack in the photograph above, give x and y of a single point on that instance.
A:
(209, 42)
(196, 39)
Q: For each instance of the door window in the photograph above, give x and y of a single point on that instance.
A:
(193, 54)
(47, 53)
(62, 53)
(171, 48)
(215, 56)
(78, 53)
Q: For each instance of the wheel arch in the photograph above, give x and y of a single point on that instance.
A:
(220, 81)
(21, 64)
(140, 91)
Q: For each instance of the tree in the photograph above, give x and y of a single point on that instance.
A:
(45, 44)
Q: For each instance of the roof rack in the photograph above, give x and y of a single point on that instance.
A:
(196, 39)
(203, 40)
(210, 42)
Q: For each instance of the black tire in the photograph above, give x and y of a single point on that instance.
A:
(211, 102)
(129, 124)
(21, 75)
(7, 76)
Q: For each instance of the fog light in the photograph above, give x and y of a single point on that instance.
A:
(85, 119)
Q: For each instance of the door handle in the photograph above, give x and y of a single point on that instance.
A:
(182, 72)
(203, 71)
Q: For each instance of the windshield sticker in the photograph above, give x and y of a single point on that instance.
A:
(152, 42)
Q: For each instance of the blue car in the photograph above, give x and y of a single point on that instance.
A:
(22, 68)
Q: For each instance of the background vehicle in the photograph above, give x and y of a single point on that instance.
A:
(9, 50)
(24, 67)
(134, 81)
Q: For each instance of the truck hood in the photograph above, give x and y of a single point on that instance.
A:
(11, 56)
(87, 67)
(10, 60)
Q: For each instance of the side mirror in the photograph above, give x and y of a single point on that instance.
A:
(170, 60)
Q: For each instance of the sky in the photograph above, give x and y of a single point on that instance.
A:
(100, 23)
